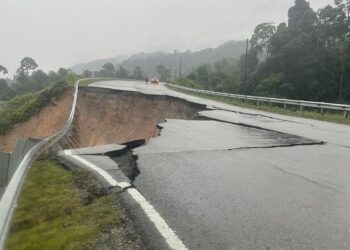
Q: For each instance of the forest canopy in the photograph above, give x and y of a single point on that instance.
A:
(306, 58)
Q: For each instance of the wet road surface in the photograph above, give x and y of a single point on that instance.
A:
(223, 193)
(246, 179)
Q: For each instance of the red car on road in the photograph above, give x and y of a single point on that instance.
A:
(155, 81)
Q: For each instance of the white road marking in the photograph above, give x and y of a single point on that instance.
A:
(68, 152)
(168, 234)
(100, 171)
(163, 228)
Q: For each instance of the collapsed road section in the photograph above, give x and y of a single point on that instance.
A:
(116, 167)
(117, 176)
(227, 186)
(215, 183)
(107, 116)
(194, 177)
(103, 117)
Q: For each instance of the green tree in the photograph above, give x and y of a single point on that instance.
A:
(138, 73)
(301, 17)
(53, 77)
(248, 64)
(63, 73)
(3, 70)
(332, 27)
(27, 65)
(344, 5)
(40, 78)
(225, 76)
(163, 73)
(3, 82)
(6, 92)
(222, 75)
(260, 40)
(309, 58)
(122, 73)
(3, 85)
(87, 73)
(108, 70)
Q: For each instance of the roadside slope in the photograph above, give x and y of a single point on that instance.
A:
(50, 119)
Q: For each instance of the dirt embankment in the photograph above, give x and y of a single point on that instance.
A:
(48, 121)
(117, 117)
(103, 117)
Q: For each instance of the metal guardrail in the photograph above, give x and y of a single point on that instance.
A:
(9, 199)
(285, 102)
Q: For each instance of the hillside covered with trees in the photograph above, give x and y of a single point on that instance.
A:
(306, 58)
(28, 79)
(149, 62)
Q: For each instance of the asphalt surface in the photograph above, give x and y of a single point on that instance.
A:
(312, 129)
(247, 179)
(183, 135)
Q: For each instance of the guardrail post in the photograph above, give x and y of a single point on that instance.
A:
(268, 101)
(285, 106)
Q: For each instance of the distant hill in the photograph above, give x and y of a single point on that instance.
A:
(149, 61)
(97, 64)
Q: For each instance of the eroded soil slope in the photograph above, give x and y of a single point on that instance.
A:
(117, 117)
(103, 117)
(48, 121)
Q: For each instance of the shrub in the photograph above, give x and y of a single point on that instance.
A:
(185, 82)
(21, 108)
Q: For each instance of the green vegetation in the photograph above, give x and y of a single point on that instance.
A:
(149, 62)
(110, 71)
(2, 104)
(50, 214)
(29, 79)
(330, 116)
(220, 76)
(305, 59)
(185, 82)
(21, 108)
(90, 81)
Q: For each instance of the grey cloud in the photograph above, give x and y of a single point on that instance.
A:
(65, 32)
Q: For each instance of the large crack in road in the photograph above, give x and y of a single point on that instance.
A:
(224, 181)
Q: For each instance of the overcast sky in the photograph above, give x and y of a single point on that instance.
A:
(66, 32)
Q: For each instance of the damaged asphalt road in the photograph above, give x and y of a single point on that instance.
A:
(225, 186)
(243, 179)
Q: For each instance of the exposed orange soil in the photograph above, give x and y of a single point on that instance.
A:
(47, 122)
(121, 117)
(103, 117)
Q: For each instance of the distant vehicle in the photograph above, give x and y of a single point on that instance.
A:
(154, 81)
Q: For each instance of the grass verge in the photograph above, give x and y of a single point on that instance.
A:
(330, 116)
(2, 104)
(87, 82)
(21, 108)
(51, 215)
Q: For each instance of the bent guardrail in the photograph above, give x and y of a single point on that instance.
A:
(9, 199)
(285, 102)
